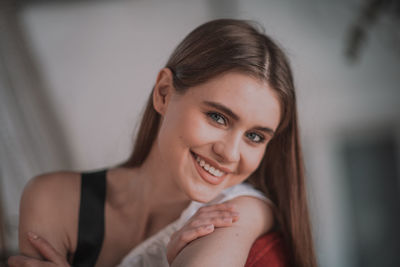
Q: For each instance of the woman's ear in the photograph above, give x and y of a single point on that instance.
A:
(163, 90)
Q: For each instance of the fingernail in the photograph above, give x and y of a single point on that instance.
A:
(228, 220)
(232, 206)
(210, 227)
(32, 236)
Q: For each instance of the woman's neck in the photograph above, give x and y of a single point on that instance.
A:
(147, 188)
(160, 190)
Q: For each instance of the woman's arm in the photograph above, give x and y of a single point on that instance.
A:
(51, 256)
(229, 246)
(49, 208)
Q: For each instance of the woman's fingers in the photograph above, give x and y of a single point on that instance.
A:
(218, 218)
(210, 214)
(52, 257)
(22, 261)
(193, 233)
(222, 207)
(186, 235)
(47, 250)
(202, 223)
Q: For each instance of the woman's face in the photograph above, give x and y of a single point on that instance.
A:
(214, 135)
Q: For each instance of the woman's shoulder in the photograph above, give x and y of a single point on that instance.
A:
(48, 207)
(233, 243)
(54, 178)
(255, 208)
(54, 184)
(254, 212)
(48, 194)
(51, 192)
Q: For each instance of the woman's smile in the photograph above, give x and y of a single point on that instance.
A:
(208, 170)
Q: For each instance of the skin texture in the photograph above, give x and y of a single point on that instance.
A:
(50, 203)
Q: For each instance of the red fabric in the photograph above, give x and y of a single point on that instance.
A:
(267, 251)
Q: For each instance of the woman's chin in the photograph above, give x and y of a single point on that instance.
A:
(202, 197)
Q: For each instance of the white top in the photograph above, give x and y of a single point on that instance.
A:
(152, 251)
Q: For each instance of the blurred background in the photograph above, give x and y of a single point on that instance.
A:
(74, 76)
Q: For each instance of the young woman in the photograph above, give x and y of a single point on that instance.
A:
(216, 163)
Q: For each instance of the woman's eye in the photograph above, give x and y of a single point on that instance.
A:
(256, 138)
(218, 118)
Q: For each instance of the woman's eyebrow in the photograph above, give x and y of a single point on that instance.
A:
(230, 113)
(222, 108)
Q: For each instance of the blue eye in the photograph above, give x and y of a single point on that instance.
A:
(256, 138)
(218, 118)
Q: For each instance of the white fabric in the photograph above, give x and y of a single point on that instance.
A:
(152, 251)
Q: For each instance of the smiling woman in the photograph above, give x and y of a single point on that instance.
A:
(216, 164)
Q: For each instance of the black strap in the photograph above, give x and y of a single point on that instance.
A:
(91, 219)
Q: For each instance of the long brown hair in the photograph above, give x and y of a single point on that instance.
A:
(226, 45)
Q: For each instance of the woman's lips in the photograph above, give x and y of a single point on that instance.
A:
(208, 177)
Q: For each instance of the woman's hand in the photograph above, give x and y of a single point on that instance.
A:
(52, 258)
(202, 223)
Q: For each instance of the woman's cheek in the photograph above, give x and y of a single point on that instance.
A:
(252, 160)
(199, 131)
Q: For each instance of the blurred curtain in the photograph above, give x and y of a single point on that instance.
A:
(31, 139)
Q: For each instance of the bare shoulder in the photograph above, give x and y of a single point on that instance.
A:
(48, 191)
(49, 207)
(229, 246)
(255, 214)
(55, 182)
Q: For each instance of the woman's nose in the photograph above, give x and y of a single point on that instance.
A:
(228, 149)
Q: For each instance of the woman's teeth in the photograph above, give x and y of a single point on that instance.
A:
(209, 168)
